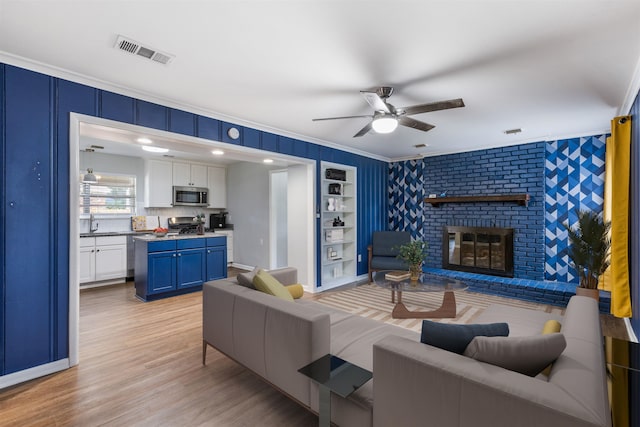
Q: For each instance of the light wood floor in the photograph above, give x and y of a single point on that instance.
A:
(140, 365)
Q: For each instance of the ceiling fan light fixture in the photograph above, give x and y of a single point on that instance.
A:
(384, 124)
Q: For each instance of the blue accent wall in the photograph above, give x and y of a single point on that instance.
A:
(574, 180)
(515, 169)
(34, 142)
(560, 177)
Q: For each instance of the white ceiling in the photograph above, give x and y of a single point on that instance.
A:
(553, 68)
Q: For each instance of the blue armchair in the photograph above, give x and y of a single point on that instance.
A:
(383, 251)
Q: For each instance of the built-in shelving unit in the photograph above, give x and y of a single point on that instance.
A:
(338, 249)
(521, 199)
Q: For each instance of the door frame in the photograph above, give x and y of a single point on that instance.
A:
(75, 120)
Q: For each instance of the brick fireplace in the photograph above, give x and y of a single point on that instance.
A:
(483, 250)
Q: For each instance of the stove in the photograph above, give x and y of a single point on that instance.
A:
(183, 225)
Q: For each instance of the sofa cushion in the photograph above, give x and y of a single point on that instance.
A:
(264, 282)
(246, 279)
(296, 290)
(526, 355)
(455, 338)
(388, 263)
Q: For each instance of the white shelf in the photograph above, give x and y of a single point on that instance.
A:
(344, 270)
(341, 242)
(337, 261)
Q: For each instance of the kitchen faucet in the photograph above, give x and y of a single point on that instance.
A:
(91, 221)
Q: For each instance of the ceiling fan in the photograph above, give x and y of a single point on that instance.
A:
(386, 117)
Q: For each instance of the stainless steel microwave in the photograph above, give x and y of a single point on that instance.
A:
(190, 196)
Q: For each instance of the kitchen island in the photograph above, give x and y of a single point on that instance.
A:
(175, 265)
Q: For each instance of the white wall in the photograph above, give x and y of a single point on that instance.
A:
(278, 212)
(300, 234)
(248, 206)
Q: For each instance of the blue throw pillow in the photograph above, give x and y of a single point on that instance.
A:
(456, 338)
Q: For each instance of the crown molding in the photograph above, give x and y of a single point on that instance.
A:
(65, 74)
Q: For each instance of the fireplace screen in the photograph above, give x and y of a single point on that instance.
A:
(479, 250)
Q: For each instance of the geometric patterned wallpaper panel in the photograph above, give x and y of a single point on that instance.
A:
(574, 180)
(406, 195)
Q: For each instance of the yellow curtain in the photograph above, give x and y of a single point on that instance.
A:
(618, 153)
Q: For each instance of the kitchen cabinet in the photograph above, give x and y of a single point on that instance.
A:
(186, 174)
(217, 184)
(338, 225)
(216, 258)
(229, 235)
(158, 181)
(173, 266)
(103, 259)
(87, 260)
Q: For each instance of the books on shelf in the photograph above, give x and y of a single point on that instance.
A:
(396, 276)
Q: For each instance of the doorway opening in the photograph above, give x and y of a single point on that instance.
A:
(121, 136)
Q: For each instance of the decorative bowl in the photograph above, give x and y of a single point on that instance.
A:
(159, 233)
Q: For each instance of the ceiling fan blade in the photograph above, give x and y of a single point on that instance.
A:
(375, 101)
(363, 131)
(434, 106)
(415, 124)
(339, 118)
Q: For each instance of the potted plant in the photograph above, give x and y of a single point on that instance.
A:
(413, 253)
(589, 250)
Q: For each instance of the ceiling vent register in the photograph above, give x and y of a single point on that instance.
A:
(131, 46)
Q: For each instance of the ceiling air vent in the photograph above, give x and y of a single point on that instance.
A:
(131, 46)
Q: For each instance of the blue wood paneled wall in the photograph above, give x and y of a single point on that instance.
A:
(34, 142)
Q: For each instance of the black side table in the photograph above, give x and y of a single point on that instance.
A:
(333, 374)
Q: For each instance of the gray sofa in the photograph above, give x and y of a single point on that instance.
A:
(413, 384)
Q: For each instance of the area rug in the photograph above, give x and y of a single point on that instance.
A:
(375, 303)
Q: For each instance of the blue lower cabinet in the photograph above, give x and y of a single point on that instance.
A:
(216, 258)
(162, 272)
(169, 267)
(191, 268)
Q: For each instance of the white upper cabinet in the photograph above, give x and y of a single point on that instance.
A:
(158, 181)
(217, 184)
(186, 174)
(199, 175)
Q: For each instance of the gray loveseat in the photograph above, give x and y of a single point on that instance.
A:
(413, 384)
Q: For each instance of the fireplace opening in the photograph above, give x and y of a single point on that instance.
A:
(484, 250)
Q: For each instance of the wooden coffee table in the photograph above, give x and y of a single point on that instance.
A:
(426, 283)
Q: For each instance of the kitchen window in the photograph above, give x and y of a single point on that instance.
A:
(111, 194)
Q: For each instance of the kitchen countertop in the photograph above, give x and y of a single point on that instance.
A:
(146, 233)
(152, 238)
(113, 233)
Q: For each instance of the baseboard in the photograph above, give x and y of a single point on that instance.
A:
(33, 373)
(242, 266)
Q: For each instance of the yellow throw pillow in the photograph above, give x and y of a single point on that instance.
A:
(550, 326)
(296, 290)
(268, 284)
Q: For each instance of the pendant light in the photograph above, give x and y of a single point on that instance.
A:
(89, 177)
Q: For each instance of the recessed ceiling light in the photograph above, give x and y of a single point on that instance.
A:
(268, 160)
(154, 149)
(217, 152)
(144, 141)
